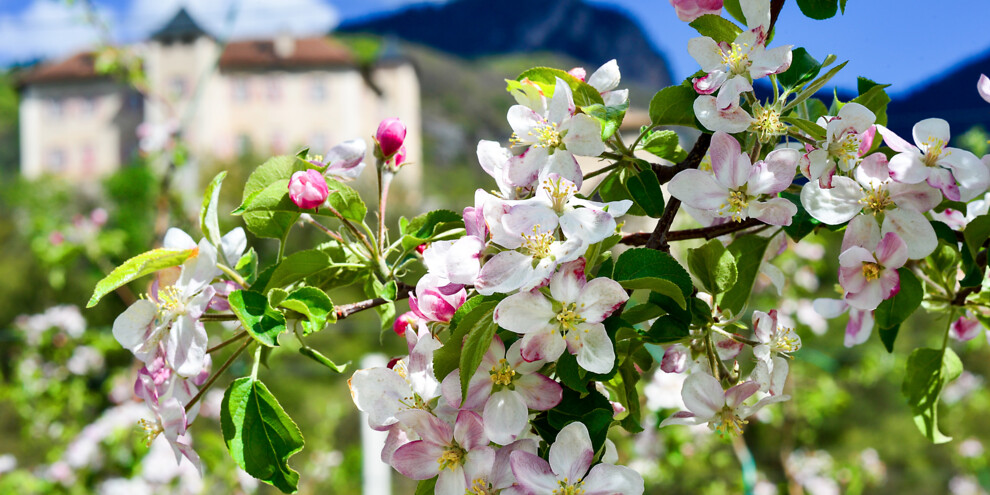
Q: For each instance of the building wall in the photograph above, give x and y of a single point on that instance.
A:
(79, 130)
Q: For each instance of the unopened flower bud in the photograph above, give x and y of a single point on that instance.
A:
(579, 73)
(404, 321)
(400, 157)
(391, 133)
(674, 359)
(308, 189)
(689, 10)
(98, 217)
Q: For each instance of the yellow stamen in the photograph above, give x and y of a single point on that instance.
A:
(451, 458)
(871, 271)
(151, 430)
(538, 243)
(568, 318)
(766, 123)
(502, 373)
(559, 192)
(737, 58)
(934, 151)
(877, 199)
(726, 423)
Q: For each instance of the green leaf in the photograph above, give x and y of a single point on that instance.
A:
(424, 227)
(645, 191)
(814, 130)
(137, 267)
(613, 188)
(314, 304)
(259, 435)
(733, 8)
(475, 312)
(642, 312)
(546, 79)
(716, 27)
(747, 251)
(876, 100)
(208, 222)
(802, 223)
(610, 118)
(320, 358)
(656, 284)
(664, 144)
(298, 266)
(271, 224)
(976, 233)
(257, 316)
(479, 339)
(248, 265)
(813, 88)
(819, 9)
(426, 487)
(641, 263)
(673, 105)
(803, 68)
(888, 336)
(892, 312)
(386, 312)
(713, 265)
(927, 373)
(346, 201)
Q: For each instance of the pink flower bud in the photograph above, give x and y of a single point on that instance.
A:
(421, 248)
(308, 189)
(400, 157)
(965, 328)
(98, 216)
(579, 73)
(689, 10)
(674, 359)
(404, 321)
(391, 133)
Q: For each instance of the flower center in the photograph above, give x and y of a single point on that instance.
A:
(727, 423)
(502, 373)
(559, 192)
(737, 205)
(934, 151)
(538, 243)
(548, 136)
(766, 123)
(566, 488)
(785, 340)
(877, 199)
(170, 301)
(480, 487)
(736, 58)
(568, 318)
(845, 149)
(871, 271)
(451, 458)
(151, 430)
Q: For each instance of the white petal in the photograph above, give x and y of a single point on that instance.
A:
(833, 206)
(131, 328)
(775, 211)
(707, 52)
(930, 130)
(913, 228)
(506, 416)
(703, 395)
(523, 122)
(606, 78)
(177, 239)
(571, 453)
(562, 104)
(524, 312)
(607, 479)
(698, 189)
(908, 168)
(862, 231)
(233, 245)
(596, 353)
(584, 135)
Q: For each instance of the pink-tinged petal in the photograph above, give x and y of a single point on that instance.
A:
(969, 172)
(739, 393)
(186, 346)
(377, 391)
(724, 152)
(774, 211)
(479, 464)
(599, 298)
(132, 327)
(177, 239)
(492, 156)
(545, 345)
(683, 418)
(571, 453)
(587, 224)
(892, 251)
(942, 179)
(727, 348)
(564, 164)
(929, 130)
(964, 328)
(728, 97)
(862, 231)
(772, 61)
(515, 359)
(567, 282)
(562, 103)
(538, 392)
(501, 473)
(464, 262)
(504, 272)
(606, 479)
(913, 228)
(706, 52)
(895, 142)
(584, 135)
(757, 15)
(764, 325)
(451, 482)
(829, 308)
(506, 416)
(674, 359)
(698, 189)
(866, 139)
(890, 283)
(856, 118)
(532, 473)
(524, 312)
(188, 452)
(524, 121)
(709, 83)
(418, 460)
(873, 170)
(908, 168)
(746, 411)
(859, 328)
(430, 429)
(596, 353)
(983, 87)
(469, 430)
(479, 389)
(397, 437)
(773, 174)
(919, 197)
(868, 298)
(523, 170)
(703, 395)
(851, 278)
(732, 119)
(836, 205)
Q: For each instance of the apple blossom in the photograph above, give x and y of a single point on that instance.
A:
(605, 79)
(675, 359)
(958, 173)
(771, 375)
(724, 113)
(443, 449)
(965, 328)
(436, 299)
(496, 477)
(870, 276)
(722, 410)
(983, 87)
(860, 324)
(344, 161)
(567, 472)
(736, 188)
(571, 320)
(390, 136)
(773, 338)
(308, 189)
(848, 137)
(689, 10)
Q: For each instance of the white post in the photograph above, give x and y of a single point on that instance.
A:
(376, 475)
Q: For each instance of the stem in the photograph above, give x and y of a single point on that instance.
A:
(602, 170)
(708, 233)
(349, 309)
(737, 338)
(384, 181)
(310, 220)
(232, 274)
(712, 357)
(641, 136)
(354, 230)
(227, 342)
(218, 317)
(209, 383)
(755, 154)
(658, 239)
(257, 362)
(948, 326)
(281, 246)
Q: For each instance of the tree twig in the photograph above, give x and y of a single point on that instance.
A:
(658, 239)
(707, 233)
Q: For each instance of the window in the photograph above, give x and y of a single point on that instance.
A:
(274, 88)
(55, 161)
(54, 106)
(87, 106)
(318, 89)
(241, 90)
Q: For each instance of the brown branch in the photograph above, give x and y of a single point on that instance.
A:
(775, 6)
(960, 299)
(707, 233)
(658, 239)
(349, 309)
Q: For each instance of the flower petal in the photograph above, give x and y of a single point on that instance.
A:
(524, 312)
(892, 251)
(469, 430)
(859, 328)
(773, 174)
(571, 453)
(774, 211)
(706, 52)
(836, 205)
(584, 135)
(506, 416)
(599, 298)
(596, 353)
(606, 479)
(417, 460)
(532, 473)
(929, 130)
(913, 228)
(567, 282)
(606, 78)
(703, 395)
(538, 392)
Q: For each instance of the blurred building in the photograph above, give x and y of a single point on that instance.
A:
(270, 96)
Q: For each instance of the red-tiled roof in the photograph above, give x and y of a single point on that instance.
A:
(77, 67)
(306, 52)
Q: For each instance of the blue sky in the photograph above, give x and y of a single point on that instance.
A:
(903, 42)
